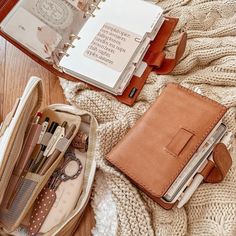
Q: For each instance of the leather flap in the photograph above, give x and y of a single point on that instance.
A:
(13, 129)
(169, 64)
(220, 166)
(152, 154)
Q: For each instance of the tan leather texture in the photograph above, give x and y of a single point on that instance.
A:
(155, 57)
(178, 112)
(169, 64)
(222, 163)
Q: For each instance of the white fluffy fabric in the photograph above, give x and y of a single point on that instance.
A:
(105, 208)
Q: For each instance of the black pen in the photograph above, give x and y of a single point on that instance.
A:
(58, 134)
(37, 160)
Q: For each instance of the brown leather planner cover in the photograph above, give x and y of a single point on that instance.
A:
(155, 57)
(162, 142)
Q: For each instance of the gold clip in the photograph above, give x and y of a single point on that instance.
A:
(74, 36)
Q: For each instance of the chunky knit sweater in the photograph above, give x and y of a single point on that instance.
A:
(209, 63)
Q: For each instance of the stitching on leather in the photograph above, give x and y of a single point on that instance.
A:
(171, 153)
(198, 95)
(164, 188)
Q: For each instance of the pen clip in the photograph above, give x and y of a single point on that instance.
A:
(44, 130)
(62, 135)
(59, 133)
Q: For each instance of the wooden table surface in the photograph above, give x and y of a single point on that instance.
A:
(15, 70)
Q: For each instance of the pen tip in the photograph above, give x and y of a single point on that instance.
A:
(39, 114)
(64, 124)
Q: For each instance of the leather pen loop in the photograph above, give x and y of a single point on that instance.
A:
(216, 171)
(169, 64)
(156, 59)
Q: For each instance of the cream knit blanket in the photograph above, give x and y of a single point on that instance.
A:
(208, 63)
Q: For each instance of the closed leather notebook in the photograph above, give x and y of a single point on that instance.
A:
(161, 143)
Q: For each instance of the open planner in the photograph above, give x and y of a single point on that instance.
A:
(104, 43)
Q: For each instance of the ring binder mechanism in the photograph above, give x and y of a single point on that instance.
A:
(73, 37)
(95, 6)
(66, 46)
(89, 13)
(92, 7)
(69, 45)
(64, 53)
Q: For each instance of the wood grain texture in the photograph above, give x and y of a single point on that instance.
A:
(2, 73)
(15, 71)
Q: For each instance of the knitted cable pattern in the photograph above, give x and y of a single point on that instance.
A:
(209, 63)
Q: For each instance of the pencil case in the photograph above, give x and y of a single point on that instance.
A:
(12, 134)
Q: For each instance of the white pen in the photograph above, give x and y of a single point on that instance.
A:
(45, 125)
(227, 140)
(58, 134)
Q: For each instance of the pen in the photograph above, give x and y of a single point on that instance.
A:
(45, 125)
(199, 178)
(56, 153)
(31, 138)
(39, 157)
(58, 134)
(31, 167)
(29, 145)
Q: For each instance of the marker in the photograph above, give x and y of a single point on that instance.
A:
(45, 125)
(58, 134)
(37, 160)
(56, 152)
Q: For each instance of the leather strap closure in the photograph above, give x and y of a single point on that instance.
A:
(216, 170)
(162, 65)
(8, 118)
(156, 59)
